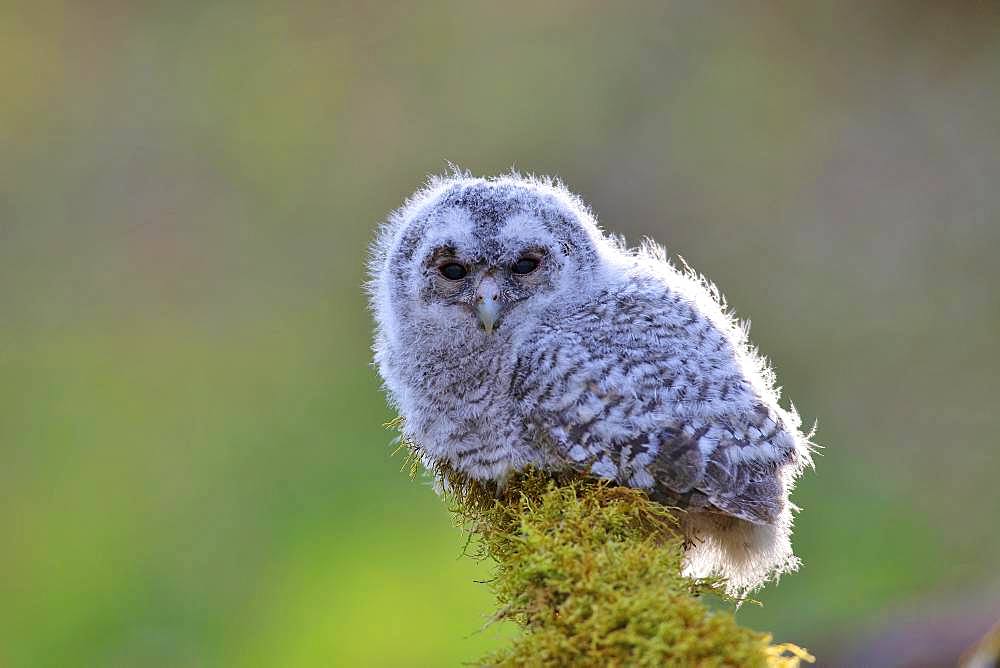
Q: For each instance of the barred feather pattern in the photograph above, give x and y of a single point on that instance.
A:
(608, 360)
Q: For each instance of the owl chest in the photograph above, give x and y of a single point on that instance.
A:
(469, 419)
(479, 415)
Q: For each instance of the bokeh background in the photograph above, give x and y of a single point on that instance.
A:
(192, 462)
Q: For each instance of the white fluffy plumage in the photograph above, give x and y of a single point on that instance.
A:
(512, 331)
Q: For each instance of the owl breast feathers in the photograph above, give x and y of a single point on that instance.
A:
(512, 332)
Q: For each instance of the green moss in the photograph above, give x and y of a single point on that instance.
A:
(592, 574)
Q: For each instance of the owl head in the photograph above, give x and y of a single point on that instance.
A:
(477, 259)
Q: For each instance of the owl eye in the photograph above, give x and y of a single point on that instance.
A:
(453, 271)
(525, 265)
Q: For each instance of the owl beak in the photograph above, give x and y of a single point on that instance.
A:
(487, 303)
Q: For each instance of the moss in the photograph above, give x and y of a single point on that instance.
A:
(592, 575)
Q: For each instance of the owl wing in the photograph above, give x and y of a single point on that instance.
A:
(654, 398)
(734, 464)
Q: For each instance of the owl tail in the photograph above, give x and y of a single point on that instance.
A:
(744, 554)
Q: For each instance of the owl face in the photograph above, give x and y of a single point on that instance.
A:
(479, 258)
(489, 281)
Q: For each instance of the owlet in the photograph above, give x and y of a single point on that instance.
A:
(511, 331)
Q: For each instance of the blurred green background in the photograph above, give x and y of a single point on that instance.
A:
(194, 471)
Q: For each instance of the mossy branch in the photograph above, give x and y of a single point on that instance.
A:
(592, 575)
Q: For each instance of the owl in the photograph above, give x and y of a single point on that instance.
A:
(512, 331)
